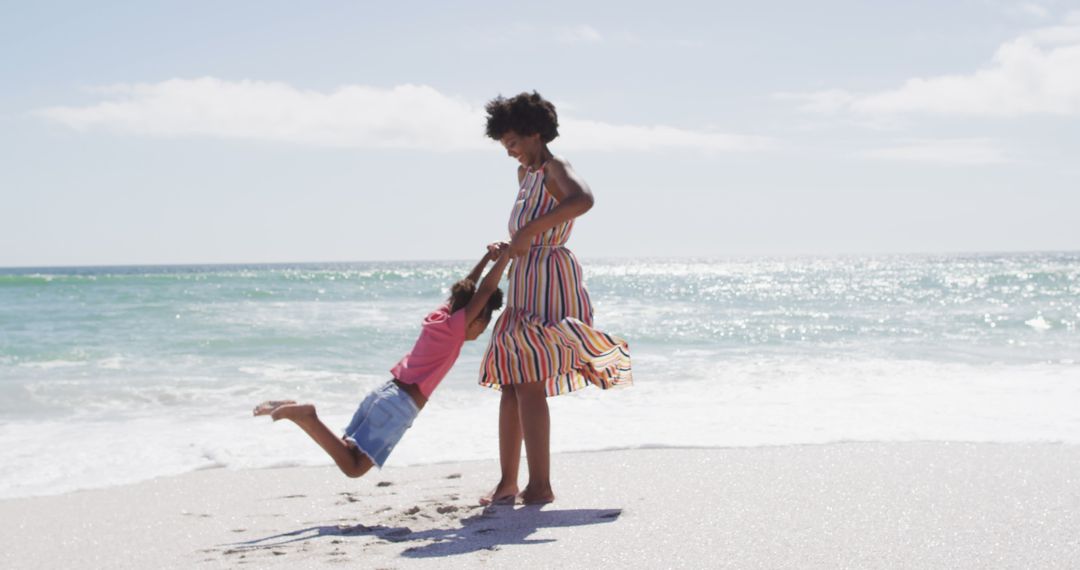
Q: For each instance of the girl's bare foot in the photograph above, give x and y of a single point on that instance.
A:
(298, 413)
(267, 407)
(285, 410)
(537, 495)
(503, 494)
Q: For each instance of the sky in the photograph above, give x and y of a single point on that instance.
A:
(244, 132)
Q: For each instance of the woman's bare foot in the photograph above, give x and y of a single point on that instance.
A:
(503, 494)
(537, 495)
(267, 407)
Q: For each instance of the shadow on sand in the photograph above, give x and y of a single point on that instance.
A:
(492, 528)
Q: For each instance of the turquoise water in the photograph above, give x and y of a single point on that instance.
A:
(110, 375)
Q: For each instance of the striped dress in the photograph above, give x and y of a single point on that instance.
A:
(545, 333)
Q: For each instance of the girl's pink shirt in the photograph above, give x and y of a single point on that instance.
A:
(441, 338)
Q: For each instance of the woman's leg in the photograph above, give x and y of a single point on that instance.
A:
(509, 449)
(536, 427)
(350, 460)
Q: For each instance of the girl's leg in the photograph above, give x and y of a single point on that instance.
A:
(350, 460)
(536, 427)
(509, 449)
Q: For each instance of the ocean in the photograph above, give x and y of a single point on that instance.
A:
(111, 375)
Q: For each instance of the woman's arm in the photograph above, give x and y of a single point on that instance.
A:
(574, 198)
(487, 287)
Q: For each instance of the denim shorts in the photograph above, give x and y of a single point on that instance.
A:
(380, 421)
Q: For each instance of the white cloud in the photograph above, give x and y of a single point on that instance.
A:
(946, 151)
(406, 116)
(355, 116)
(827, 101)
(1035, 73)
(582, 33)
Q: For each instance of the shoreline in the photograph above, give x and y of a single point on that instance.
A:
(326, 464)
(853, 504)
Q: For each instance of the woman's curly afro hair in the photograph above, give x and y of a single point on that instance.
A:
(525, 114)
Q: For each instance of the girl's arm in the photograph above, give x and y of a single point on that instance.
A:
(574, 198)
(492, 254)
(474, 275)
(486, 287)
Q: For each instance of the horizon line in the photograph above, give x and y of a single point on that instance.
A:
(717, 257)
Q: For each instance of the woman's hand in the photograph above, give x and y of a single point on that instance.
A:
(495, 249)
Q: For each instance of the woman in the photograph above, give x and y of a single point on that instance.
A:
(543, 343)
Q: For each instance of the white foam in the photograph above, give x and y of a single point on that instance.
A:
(112, 363)
(706, 402)
(51, 364)
(1038, 323)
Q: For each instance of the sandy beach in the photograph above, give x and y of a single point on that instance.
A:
(853, 505)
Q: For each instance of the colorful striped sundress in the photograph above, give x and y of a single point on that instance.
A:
(545, 332)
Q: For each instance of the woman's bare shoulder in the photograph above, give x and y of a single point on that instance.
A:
(557, 164)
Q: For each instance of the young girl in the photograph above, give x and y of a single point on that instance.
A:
(388, 411)
(543, 343)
